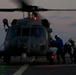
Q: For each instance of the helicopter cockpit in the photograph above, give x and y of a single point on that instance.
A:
(26, 34)
(35, 30)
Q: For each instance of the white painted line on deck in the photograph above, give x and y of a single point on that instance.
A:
(23, 68)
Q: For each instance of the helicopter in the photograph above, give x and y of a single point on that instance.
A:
(28, 36)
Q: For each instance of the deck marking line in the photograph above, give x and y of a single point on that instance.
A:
(23, 68)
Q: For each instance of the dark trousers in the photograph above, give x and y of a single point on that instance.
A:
(60, 53)
(70, 53)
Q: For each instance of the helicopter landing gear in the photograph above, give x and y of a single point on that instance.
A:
(7, 57)
(50, 57)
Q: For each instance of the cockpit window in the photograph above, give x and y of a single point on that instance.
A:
(17, 32)
(38, 32)
(13, 32)
(25, 31)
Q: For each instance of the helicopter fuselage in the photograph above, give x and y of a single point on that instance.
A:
(27, 36)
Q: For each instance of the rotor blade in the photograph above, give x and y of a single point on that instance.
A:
(59, 9)
(19, 9)
(33, 10)
(26, 9)
(25, 5)
(10, 10)
(38, 15)
(22, 3)
(43, 9)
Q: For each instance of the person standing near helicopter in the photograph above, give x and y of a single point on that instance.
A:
(68, 49)
(73, 45)
(60, 48)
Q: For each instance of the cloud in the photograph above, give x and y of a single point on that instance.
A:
(66, 17)
(72, 24)
(61, 17)
(57, 12)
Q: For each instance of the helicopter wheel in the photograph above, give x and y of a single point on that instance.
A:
(7, 57)
(51, 61)
(50, 57)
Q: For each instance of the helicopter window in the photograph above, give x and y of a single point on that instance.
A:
(18, 31)
(25, 31)
(13, 32)
(37, 32)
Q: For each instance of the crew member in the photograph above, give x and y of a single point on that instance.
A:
(60, 48)
(68, 49)
(73, 44)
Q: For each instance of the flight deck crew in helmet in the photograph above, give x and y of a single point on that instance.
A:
(60, 48)
(73, 45)
(68, 49)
